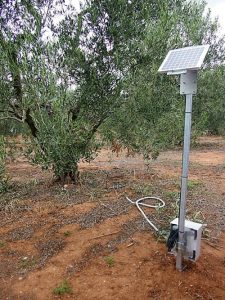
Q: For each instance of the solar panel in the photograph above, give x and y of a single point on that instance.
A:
(180, 60)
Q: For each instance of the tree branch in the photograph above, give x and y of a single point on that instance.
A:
(17, 85)
(95, 127)
(14, 112)
(12, 118)
(48, 8)
(6, 111)
(30, 122)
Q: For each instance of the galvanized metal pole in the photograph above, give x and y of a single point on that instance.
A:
(184, 181)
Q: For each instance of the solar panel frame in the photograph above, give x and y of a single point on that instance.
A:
(180, 60)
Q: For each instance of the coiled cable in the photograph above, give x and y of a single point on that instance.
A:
(139, 203)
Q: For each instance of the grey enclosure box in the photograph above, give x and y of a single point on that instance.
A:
(188, 83)
(193, 234)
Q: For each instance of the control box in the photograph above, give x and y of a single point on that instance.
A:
(192, 236)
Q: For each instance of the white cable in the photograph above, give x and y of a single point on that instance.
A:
(138, 204)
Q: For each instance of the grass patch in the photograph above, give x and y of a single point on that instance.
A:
(63, 288)
(162, 235)
(142, 189)
(2, 244)
(110, 261)
(172, 195)
(193, 184)
(67, 233)
(27, 262)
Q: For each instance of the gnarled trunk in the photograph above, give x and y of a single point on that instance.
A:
(71, 176)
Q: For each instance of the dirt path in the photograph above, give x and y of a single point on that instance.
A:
(92, 237)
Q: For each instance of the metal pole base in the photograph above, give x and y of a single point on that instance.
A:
(179, 262)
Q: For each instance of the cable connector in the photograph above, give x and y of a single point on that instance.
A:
(172, 239)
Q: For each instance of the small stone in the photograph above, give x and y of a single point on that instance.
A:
(20, 278)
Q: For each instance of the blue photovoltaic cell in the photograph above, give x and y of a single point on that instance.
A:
(184, 58)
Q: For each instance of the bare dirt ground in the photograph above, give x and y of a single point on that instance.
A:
(91, 236)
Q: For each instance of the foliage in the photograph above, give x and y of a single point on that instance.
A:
(12, 128)
(29, 80)
(63, 288)
(209, 110)
(99, 49)
(152, 117)
(96, 72)
(60, 142)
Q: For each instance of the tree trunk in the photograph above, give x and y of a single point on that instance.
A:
(17, 85)
(67, 177)
(30, 122)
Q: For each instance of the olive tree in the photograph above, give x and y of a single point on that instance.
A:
(29, 82)
(152, 118)
(209, 110)
(95, 77)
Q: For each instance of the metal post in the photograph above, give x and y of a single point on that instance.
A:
(184, 181)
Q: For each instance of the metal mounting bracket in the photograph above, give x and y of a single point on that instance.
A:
(188, 83)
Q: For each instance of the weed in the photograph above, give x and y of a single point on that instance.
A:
(4, 186)
(33, 182)
(175, 206)
(27, 262)
(193, 184)
(206, 233)
(67, 233)
(63, 288)
(92, 195)
(110, 261)
(172, 195)
(159, 210)
(142, 189)
(2, 244)
(162, 235)
(198, 217)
